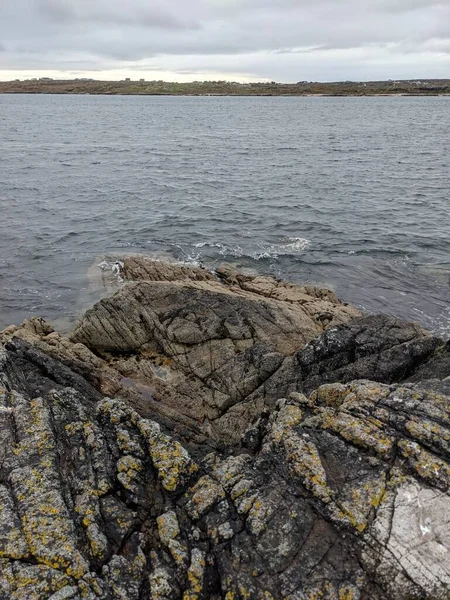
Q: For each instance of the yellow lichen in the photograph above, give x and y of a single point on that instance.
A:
(202, 496)
(347, 593)
(426, 464)
(360, 432)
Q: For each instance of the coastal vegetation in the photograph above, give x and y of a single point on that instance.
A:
(429, 87)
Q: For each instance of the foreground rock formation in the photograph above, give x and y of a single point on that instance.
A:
(217, 436)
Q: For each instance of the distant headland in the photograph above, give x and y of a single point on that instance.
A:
(46, 85)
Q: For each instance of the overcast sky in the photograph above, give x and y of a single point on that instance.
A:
(245, 40)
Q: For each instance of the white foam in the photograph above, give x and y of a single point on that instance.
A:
(223, 249)
(289, 246)
(190, 259)
(114, 267)
(297, 244)
(439, 324)
(203, 244)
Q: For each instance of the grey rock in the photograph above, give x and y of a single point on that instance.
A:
(346, 495)
(209, 353)
(198, 348)
(140, 268)
(224, 436)
(379, 347)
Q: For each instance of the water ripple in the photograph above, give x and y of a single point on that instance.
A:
(350, 194)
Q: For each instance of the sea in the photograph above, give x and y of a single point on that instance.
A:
(347, 193)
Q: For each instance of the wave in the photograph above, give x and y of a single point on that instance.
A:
(288, 246)
(293, 245)
(222, 249)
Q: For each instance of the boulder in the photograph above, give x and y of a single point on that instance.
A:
(212, 352)
(138, 267)
(376, 347)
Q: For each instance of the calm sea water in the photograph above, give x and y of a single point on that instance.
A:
(352, 193)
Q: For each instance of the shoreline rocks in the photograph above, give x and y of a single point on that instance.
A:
(223, 436)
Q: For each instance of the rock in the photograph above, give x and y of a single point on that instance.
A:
(206, 354)
(140, 268)
(344, 494)
(215, 355)
(198, 348)
(379, 347)
(39, 334)
(277, 289)
(438, 367)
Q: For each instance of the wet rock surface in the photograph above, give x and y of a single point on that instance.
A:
(207, 436)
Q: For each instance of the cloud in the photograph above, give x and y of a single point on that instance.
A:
(109, 13)
(276, 39)
(60, 12)
(404, 6)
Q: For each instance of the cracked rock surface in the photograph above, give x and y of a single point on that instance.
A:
(225, 437)
(342, 494)
(214, 351)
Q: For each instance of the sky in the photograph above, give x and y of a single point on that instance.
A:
(236, 40)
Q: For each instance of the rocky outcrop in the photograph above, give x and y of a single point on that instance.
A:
(208, 353)
(202, 345)
(224, 436)
(379, 347)
(342, 494)
(214, 353)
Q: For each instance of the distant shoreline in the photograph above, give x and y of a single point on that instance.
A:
(227, 89)
(2, 93)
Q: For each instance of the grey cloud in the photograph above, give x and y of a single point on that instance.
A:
(60, 12)
(2, 48)
(298, 50)
(67, 12)
(277, 39)
(399, 6)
